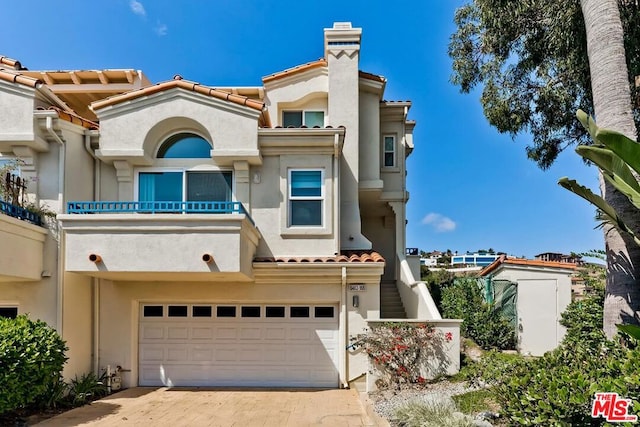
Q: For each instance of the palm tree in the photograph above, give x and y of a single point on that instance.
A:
(612, 105)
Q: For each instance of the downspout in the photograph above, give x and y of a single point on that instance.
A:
(336, 192)
(61, 177)
(95, 282)
(345, 325)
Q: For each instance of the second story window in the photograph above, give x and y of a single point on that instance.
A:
(389, 151)
(190, 186)
(305, 197)
(303, 118)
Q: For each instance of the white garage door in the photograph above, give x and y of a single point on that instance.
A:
(267, 345)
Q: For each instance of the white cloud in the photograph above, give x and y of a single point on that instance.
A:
(440, 223)
(161, 29)
(137, 8)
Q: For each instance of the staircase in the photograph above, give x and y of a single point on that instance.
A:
(390, 302)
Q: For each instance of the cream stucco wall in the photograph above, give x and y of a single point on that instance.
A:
(16, 119)
(543, 294)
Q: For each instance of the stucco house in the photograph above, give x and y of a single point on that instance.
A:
(207, 235)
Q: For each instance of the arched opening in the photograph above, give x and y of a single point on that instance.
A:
(184, 146)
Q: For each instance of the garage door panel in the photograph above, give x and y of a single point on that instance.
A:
(202, 333)
(239, 351)
(178, 333)
(251, 333)
(226, 333)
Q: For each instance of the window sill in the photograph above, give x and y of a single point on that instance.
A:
(304, 232)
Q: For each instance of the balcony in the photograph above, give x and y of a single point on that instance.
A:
(22, 249)
(160, 241)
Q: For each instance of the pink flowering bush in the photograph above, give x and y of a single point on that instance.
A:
(404, 354)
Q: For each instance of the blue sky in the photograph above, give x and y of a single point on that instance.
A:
(471, 188)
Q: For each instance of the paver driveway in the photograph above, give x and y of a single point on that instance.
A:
(150, 406)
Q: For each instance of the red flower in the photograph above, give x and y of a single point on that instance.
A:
(448, 336)
(421, 380)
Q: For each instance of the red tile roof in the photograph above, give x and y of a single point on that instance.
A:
(295, 70)
(74, 118)
(350, 257)
(525, 262)
(16, 77)
(371, 76)
(8, 62)
(177, 82)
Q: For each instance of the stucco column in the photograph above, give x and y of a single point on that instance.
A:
(242, 189)
(342, 51)
(399, 210)
(124, 174)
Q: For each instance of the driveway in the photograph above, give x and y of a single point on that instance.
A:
(150, 406)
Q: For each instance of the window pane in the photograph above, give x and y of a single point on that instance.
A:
(314, 118)
(185, 146)
(274, 311)
(160, 186)
(226, 311)
(324, 311)
(292, 118)
(209, 186)
(153, 311)
(250, 311)
(201, 311)
(9, 312)
(388, 159)
(299, 312)
(306, 183)
(177, 311)
(388, 143)
(306, 212)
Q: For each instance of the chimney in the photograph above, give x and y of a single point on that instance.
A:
(342, 52)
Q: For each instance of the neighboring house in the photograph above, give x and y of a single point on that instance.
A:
(212, 236)
(543, 293)
(559, 257)
(481, 259)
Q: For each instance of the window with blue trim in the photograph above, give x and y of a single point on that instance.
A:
(305, 197)
(190, 186)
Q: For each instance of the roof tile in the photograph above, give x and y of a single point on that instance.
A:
(348, 257)
(15, 77)
(183, 84)
(295, 70)
(8, 62)
(525, 262)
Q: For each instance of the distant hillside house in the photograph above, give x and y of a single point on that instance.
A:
(481, 259)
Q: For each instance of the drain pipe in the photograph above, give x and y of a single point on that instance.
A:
(95, 282)
(61, 176)
(345, 323)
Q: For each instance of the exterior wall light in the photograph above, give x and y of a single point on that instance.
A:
(95, 258)
(355, 301)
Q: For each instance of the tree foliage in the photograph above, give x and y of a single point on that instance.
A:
(531, 60)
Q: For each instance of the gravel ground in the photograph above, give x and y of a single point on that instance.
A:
(386, 402)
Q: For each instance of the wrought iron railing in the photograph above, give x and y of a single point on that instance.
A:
(156, 207)
(20, 213)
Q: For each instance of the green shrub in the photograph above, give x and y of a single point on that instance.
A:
(31, 358)
(558, 388)
(87, 388)
(480, 321)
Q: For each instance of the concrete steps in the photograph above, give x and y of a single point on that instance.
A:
(390, 302)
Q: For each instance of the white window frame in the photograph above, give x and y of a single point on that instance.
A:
(322, 197)
(385, 152)
(184, 171)
(303, 111)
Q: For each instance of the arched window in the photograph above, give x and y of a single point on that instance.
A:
(185, 146)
